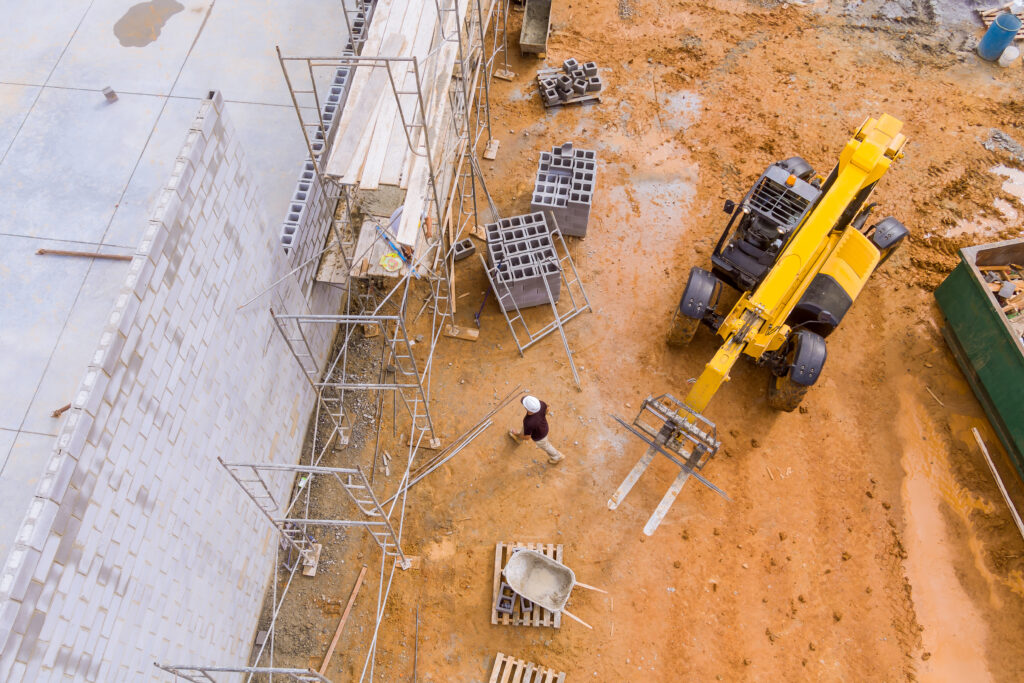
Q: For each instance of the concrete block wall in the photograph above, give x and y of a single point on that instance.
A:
(308, 220)
(566, 179)
(138, 547)
(522, 255)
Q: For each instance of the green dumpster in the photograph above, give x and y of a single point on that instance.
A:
(986, 343)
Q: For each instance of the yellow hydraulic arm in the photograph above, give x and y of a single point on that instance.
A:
(756, 323)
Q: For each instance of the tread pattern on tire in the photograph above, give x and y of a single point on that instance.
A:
(785, 394)
(681, 330)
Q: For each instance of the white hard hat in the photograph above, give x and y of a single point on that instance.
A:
(531, 403)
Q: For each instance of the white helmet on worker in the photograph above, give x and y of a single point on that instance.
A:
(531, 403)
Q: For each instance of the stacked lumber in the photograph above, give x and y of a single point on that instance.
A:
(989, 15)
(372, 146)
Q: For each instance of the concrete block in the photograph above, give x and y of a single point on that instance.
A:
(570, 64)
(463, 249)
(590, 69)
(592, 84)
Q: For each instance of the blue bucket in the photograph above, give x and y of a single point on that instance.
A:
(998, 37)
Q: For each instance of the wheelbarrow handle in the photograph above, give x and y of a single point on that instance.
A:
(576, 618)
(590, 588)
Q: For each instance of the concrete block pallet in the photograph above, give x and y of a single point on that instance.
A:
(523, 255)
(566, 178)
(574, 83)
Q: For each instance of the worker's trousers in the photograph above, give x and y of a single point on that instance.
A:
(546, 446)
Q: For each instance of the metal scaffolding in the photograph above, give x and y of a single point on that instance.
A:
(376, 306)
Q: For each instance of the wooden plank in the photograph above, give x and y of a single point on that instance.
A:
(547, 551)
(510, 664)
(467, 333)
(497, 666)
(395, 22)
(344, 618)
(369, 177)
(517, 673)
(557, 555)
(497, 581)
(309, 569)
(416, 197)
(337, 158)
(346, 148)
(398, 147)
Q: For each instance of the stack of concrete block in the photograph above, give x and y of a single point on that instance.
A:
(308, 192)
(308, 200)
(576, 80)
(565, 187)
(523, 256)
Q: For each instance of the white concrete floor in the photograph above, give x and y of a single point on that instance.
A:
(77, 172)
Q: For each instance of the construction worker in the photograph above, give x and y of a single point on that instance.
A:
(535, 426)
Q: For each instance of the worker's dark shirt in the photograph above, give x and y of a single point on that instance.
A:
(535, 425)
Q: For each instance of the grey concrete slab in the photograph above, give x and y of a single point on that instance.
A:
(67, 168)
(7, 437)
(36, 298)
(18, 480)
(276, 150)
(133, 211)
(235, 52)
(33, 36)
(15, 102)
(135, 48)
(77, 341)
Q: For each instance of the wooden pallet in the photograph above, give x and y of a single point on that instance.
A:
(510, 670)
(576, 99)
(989, 15)
(539, 616)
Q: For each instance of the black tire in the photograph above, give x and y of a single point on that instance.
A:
(784, 393)
(681, 330)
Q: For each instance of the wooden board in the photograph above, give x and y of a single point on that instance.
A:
(309, 568)
(409, 229)
(467, 333)
(511, 670)
(354, 138)
(336, 165)
(369, 176)
(370, 247)
(397, 152)
(539, 616)
(989, 15)
(585, 98)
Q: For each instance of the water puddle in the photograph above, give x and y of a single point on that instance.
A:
(679, 110)
(954, 632)
(1009, 213)
(141, 24)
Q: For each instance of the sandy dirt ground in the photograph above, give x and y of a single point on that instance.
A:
(865, 539)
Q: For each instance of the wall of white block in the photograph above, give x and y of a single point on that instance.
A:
(138, 547)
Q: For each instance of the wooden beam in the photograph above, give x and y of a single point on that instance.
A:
(369, 177)
(408, 230)
(83, 254)
(344, 618)
(351, 146)
(338, 158)
(397, 146)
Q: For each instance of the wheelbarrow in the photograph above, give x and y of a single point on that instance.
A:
(543, 581)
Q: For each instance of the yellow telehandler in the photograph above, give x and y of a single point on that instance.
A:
(798, 251)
